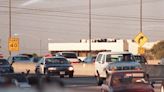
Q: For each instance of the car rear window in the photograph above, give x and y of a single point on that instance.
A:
(119, 57)
(56, 61)
(69, 55)
(3, 62)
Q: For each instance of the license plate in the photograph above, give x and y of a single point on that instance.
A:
(62, 72)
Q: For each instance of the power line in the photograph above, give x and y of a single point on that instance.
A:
(101, 18)
(41, 10)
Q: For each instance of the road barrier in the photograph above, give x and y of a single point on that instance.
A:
(156, 71)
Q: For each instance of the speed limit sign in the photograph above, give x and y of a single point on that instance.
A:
(13, 44)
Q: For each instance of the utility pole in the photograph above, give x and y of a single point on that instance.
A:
(90, 29)
(40, 46)
(9, 23)
(140, 15)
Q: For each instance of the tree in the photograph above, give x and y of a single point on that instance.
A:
(158, 50)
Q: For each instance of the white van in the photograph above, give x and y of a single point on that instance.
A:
(113, 61)
(70, 56)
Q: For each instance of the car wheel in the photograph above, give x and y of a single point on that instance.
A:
(162, 88)
(99, 79)
(70, 75)
(61, 76)
(37, 71)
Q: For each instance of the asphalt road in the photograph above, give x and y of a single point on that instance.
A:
(85, 84)
(81, 84)
(76, 84)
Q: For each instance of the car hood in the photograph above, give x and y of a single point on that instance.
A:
(134, 88)
(58, 65)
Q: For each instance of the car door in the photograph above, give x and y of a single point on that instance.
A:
(40, 65)
(98, 63)
(103, 65)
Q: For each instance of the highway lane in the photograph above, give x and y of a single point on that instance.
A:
(86, 84)
(76, 84)
(81, 84)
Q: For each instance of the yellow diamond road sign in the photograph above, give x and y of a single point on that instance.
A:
(140, 39)
(13, 44)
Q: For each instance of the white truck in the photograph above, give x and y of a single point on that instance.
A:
(109, 61)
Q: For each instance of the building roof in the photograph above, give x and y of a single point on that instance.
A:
(114, 46)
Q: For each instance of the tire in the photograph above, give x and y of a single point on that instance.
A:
(61, 76)
(70, 75)
(162, 87)
(37, 71)
(99, 81)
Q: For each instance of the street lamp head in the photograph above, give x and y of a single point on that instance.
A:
(16, 34)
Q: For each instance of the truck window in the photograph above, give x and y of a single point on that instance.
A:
(99, 58)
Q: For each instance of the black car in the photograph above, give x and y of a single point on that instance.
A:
(52, 66)
(5, 67)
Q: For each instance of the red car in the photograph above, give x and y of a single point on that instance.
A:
(127, 81)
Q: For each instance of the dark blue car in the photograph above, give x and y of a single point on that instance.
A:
(5, 67)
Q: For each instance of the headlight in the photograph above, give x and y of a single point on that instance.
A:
(52, 68)
(70, 68)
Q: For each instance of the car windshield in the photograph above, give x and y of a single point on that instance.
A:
(56, 61)
(69, 55)
(128, 78)
(119, 57)
(21, 58)
(3, 62)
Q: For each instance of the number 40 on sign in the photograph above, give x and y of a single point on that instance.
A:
(13, 44)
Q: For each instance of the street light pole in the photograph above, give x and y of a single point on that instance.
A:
(9, 23)
(90, 29)
(40, 46)
(140, 15)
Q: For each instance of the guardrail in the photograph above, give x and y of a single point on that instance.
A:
(154, 71)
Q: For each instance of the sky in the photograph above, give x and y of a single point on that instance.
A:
(36, 21)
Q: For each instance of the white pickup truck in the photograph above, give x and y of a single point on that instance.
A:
(109, 61)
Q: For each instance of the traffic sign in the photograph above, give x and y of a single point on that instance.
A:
(141, 50)
(140, 39)
(13, 44)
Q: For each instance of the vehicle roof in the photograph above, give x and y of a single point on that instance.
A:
(20, 56)
(55, 57)
(108, 52)
(66, 52)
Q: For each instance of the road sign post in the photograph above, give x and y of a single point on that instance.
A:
(141, 50)
(13, 44)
